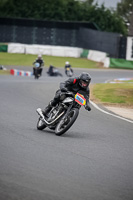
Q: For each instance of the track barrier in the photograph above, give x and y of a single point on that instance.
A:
(17, 72)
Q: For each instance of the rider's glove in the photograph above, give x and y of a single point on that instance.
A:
(87, 107)
(64, 89)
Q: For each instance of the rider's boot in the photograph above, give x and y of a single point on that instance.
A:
(48, 108)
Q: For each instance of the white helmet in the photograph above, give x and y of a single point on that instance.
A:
(67, 63)
(39, 56)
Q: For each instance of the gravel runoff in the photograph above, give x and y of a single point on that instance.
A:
(124, 112)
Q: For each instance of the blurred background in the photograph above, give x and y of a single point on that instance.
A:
(100, 25)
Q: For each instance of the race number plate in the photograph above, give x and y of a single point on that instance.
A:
(80, 99)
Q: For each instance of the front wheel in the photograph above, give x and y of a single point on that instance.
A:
(69, 73)
(41, 124)
(66, 123)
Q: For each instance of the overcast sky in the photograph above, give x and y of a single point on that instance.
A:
(108, 3)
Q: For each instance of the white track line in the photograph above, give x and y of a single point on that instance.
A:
(110, 113)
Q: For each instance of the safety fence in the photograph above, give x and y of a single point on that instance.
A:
(97, 56)
(42, 49)
(84, 35)
(121, 63)
(107, 61)
(3, 48)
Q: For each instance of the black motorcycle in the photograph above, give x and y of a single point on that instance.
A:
(62, 116)
(37, 70)
(69, 71)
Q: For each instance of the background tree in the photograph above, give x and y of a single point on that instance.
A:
(125, 9)
(66, 10)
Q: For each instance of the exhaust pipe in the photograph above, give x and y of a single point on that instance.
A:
(39, 111)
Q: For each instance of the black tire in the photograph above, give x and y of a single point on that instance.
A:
(69, 72)
(73, 114)
(40, 124)
(37, 74)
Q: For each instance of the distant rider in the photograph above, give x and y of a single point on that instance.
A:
(41, 63)
(51, 70)
(67, 65)
(73, 85)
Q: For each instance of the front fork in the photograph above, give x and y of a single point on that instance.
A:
(68, 110)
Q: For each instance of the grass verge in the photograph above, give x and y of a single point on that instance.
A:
(4, 72)
(27, 60)
(113, 94)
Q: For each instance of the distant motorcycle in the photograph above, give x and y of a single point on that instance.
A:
(62, 116)
(69, 71)
(37, 70)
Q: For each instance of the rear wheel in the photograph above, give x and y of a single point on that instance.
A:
(41, 124)
(66, 123)
(36, 73)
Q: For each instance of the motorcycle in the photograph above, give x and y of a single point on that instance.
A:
(62, 116)
(37, 70)
(69, 71)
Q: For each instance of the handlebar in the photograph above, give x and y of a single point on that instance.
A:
(69, 93)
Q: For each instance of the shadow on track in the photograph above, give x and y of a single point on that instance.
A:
(69, 134)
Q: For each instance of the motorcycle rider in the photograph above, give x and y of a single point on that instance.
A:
(67, 65)
(41, 62)
(73, 85)
(53, 71)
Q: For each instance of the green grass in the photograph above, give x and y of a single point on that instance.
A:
(27, 60)
(114, 93)
(130, 81)
(4, 72)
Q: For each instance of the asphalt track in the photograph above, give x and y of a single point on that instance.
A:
(92, 161)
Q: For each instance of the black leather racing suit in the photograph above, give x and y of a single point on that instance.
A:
(72, 84)
(40, 61)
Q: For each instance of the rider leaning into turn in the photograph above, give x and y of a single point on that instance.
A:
(73, 85)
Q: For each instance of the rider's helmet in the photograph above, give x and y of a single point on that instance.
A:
(84, 80)
(39, 56)
(67, 63)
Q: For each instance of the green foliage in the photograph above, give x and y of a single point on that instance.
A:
(64, 10)
(4, 72)
(125, 10)
(125, 7)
